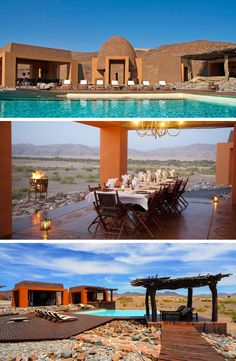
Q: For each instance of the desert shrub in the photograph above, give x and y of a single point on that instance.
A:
(167, 300)
(125, 300)
(55, 177)
(88, 169)
(68, 180)
(200, 309)
(19, 193)
(16, 178)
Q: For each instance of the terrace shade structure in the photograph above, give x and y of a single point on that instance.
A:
(36, 64)
(113, 156)
(154, 284)
(31, 294)
(114, 147)
(92, 295)
(219, 63)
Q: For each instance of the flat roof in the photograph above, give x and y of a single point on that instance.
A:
(212, 55)
(39, 284)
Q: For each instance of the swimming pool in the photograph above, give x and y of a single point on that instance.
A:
(146, 108)
(117, 313)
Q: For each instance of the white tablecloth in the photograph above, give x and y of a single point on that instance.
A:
(126, 197)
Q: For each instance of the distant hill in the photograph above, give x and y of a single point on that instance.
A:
(190, 152)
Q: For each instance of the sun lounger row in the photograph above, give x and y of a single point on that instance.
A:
(161, 85)
(54, 316)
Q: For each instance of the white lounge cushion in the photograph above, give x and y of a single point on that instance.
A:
(162, 82)
(146, 82)
(83, 82)
(99, 82)
(67, 82)
(130, 82)
(114, 82)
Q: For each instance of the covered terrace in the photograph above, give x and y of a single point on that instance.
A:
(154, 284)
(113, 164)
(219, 63)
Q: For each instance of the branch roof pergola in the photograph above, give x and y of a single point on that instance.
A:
(169, 283)
(152, 284)
(212, 55)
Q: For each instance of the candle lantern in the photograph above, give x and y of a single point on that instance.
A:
(215, 199)
(46, 224)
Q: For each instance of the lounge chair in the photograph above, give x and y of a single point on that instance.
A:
(67, 84)
(131, 84)
(115, 84)
(64, 318)
(100, 84)
(182, 313)
(83, 84)
(164, 86)
(147, 85)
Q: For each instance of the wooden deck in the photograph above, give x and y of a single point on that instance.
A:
(184, 342)
(39, 329)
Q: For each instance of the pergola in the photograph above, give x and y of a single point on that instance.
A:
(224, 54)
(154, 284)
(113, 155)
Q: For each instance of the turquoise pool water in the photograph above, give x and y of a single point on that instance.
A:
(114, 109)
(118, 313)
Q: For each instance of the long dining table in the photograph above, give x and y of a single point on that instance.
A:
(139, 197)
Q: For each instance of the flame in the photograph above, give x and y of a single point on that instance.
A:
(37, 174)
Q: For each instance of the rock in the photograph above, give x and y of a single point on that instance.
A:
(81, 356)
(66, 354)
(32, 357)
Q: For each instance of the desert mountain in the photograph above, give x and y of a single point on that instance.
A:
(190, 152)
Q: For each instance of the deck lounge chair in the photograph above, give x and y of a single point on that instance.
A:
(83, 84)
(67, 84)
(100, 84)
(164, 86)
(182, 313)
(131, 84)
(115, 84)
(64, 318)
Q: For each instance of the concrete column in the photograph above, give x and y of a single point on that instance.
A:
(5, 180)
(84, 297)
(139, 63)
(73, 73)
(23, 297)
(113, 153)
(226, 67)
(9, 69)
(65, 297)
(234, 168)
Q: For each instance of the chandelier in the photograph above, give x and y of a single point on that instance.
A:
(158, 129)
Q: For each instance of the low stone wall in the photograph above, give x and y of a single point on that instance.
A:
(218, 328)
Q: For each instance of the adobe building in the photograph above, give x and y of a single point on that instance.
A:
(92, 295)
(116, 60)
(30, 293)
(19, 61)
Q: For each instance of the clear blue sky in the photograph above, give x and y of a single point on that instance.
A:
(84, 25)
(53, 132)
(114, 265)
